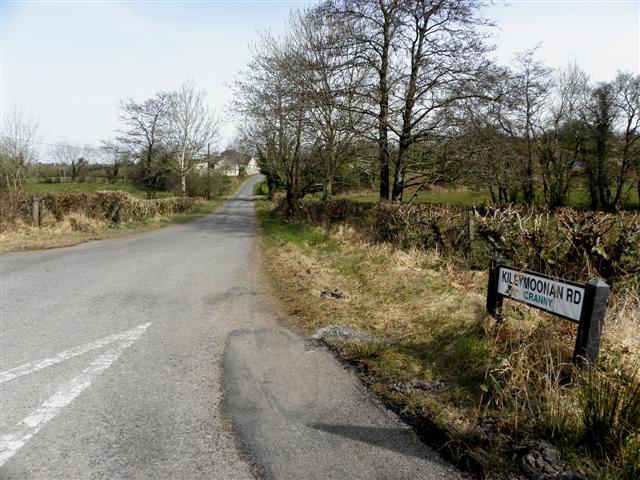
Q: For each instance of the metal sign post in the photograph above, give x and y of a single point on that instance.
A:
(584, 304)
(591, 322)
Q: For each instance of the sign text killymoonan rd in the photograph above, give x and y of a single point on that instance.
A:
(584, 304)
(559, 297)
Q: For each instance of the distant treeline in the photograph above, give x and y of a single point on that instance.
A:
(162, 139)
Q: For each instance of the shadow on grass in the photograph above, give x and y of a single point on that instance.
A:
(455, 353)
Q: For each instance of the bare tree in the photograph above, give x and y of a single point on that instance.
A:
(71, 155)
(330, 78)
(146, 126)
(627, 87)
(520, 113)
(443, 56)
(18, 137)
(374, 26)
(270, 97)
(562, 139)
(191, 128)
(117, 154)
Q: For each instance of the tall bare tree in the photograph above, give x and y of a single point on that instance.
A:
(270, 97)
(562, 138)
(146, 125)
(520, 114)
(17, 147)
(627, 87)
(330, 78)
(375, 28)
(191, 128)
(443, 57)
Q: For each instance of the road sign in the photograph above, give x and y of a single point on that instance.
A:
(557, 296)
(584, 304)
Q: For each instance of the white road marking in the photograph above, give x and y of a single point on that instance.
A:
(31, 425)
(67, 354)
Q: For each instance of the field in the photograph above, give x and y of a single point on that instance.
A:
(578, 198)
(34, 186)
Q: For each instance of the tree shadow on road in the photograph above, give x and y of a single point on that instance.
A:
(396, 439)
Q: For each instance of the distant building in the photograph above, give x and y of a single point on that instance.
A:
(201, 168)
(252, 167)
(233, 163)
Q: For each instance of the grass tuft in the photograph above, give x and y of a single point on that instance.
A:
(610, 409)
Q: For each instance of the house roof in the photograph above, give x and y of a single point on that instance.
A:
(233, 156)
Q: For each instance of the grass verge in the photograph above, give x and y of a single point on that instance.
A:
(77, 229)
(483, 389)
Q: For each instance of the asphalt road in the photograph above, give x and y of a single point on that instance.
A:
(160, 356)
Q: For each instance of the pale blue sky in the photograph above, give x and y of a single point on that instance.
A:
(70, 62)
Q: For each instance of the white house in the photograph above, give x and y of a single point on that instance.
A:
(201, 168)
(252, 167)
(233, 163)
(227, 168)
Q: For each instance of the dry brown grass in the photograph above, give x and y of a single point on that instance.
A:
(518, 371)
(74, 229)
(407, 293)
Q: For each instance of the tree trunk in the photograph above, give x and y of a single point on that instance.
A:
(593, 191)
(291, 202)
(271, 187)
(327, 185)
(327, 189)
(406, 136)
(528, 188)
(183, 184)
(399, 172)
(502, 195)
(383, 117)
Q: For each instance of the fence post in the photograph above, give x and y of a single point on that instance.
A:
(470, 226)
(494, 300)
(594, 306)
(35, 211)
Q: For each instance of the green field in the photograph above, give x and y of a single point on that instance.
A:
(35, 186)
(460, 197)
(466, 197)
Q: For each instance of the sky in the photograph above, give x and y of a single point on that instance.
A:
(68, 63)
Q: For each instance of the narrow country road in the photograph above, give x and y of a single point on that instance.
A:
(159, 356)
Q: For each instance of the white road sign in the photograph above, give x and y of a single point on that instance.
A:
(556, 296)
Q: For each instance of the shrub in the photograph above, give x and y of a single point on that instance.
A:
(567, 243)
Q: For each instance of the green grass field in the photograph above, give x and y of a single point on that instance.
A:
(460, 197)
(466, 197)
(34, 186)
